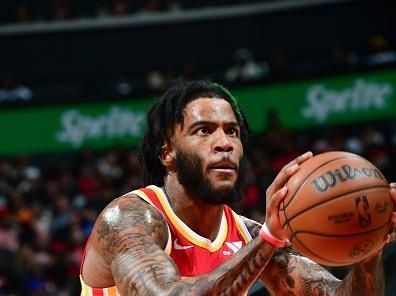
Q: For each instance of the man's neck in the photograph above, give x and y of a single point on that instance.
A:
(201, 217)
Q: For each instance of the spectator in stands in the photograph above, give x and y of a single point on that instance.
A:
(381, 52)
(12, 91)
(23, 13)
(155, 81)
(120, 8)
(61, 10)
(245, 68)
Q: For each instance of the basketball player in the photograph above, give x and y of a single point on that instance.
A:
(177, 236)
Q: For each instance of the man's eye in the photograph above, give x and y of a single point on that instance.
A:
(203, 130)
(233, 132)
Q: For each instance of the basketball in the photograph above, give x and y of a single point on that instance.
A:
(337, 210)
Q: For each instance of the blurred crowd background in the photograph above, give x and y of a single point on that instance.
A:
(57, 53)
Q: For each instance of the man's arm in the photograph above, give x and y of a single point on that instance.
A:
(130, 234)
(301, 276)
(290, 274)
(366, 278)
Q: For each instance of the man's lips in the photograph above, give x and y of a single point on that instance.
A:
(223, 171)
(223, 167)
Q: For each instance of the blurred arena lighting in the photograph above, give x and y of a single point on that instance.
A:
(205, 13)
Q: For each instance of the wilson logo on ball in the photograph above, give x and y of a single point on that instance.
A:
(337, 210)
(330, 179)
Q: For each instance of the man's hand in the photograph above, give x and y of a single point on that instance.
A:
(392, 235)
(367, 275)
(277, 191)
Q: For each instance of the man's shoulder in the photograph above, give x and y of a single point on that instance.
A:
(127, 225)
(129, 205)
(129, 216)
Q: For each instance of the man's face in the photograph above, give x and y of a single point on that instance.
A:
(209, 151)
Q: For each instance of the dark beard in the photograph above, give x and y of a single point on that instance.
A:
(190, 175)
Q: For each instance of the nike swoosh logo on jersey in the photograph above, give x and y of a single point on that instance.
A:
(176, 246)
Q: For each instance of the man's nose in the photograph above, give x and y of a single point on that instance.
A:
(223, 143)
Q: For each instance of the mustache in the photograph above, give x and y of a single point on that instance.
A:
(226, 159)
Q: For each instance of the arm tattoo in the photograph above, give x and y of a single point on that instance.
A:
(366, 278)
(252, 226)
(290, 274)
(121, 227)
(130, 235)
(236, 275)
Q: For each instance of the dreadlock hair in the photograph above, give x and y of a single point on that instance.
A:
(167, 112)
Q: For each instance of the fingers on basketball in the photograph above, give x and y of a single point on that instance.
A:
(338, 209)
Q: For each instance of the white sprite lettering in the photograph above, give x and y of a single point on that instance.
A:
(362, 95)
(116, 123)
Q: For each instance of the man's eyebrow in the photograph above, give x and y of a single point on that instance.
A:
(208, 122)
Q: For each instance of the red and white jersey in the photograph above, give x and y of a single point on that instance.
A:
(193, 254)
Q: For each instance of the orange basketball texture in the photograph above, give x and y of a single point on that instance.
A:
(337, 209)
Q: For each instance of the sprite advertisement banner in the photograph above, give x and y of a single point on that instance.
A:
(336, 100)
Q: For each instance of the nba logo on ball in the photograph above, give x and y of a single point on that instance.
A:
(337, 210)
(363, 210)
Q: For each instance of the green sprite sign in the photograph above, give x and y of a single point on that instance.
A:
(116, 122)
(62, 128)
(336, 100)
(329, 101)
(362, 95)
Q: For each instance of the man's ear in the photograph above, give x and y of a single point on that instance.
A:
(168, 156)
